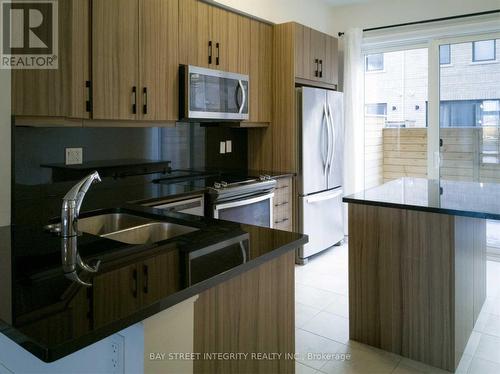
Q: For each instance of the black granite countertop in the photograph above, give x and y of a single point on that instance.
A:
(36, 204)
(470, 199)
(51, 317)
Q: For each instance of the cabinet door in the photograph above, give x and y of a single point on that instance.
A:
(331, 67)
(194, 33)
(318, 48)
(60, 92)
(219, 24)
(239, 47)
(115, 37)
(261, 67)
(304, 59)
(160, 277)
(158, 65)
(116, 294)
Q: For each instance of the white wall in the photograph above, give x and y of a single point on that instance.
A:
(313, 13)
(5, 154)
(389, 12)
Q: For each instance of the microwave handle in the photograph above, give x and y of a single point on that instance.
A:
(244, 94)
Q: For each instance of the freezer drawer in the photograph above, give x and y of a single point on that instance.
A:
(322, 219)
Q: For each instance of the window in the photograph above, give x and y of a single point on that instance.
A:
(470, 113)
(378, 109)
(445, 54)
(483, 50)
(375, 62)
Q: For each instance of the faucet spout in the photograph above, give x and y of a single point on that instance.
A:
(70, 211)
(77, 193)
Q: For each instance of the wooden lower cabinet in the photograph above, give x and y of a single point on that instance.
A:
(417, 281)
(251, 313)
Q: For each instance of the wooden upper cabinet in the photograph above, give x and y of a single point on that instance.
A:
(260, 72)
(61, 92)
(212, 37)
(331, 66)
(115, 56)
(158, 62)
(135, 59)
(316, 55)
(194, 33)
(238, 44)
(304, 61)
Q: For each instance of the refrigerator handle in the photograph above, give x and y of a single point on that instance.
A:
(334, 137)
(325, 164)
(315, 199)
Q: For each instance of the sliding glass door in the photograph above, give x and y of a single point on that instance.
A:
(464, 126)
(396, 99)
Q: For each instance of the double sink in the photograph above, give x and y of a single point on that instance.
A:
(131, 229)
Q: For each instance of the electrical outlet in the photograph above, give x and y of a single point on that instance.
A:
(222, 148)
(229, 146)
(74, 156)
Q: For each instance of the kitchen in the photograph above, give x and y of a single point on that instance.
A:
(180, 184)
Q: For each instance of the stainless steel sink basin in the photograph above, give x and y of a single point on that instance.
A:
(107, 223)
(131, 229)
(149, 233)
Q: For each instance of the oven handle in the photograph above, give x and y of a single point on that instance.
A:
(234, 204)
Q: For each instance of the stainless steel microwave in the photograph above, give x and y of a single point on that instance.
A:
(212, 95)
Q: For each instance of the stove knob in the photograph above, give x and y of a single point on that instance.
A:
(217, 185)
(224, 184)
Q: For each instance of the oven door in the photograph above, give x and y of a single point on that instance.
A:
(252, 210)
(215, 95)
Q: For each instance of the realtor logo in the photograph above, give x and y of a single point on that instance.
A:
(29, 37)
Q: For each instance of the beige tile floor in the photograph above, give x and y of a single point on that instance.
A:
(321, 321)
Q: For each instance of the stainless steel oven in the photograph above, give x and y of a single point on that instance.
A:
(212, 95)
(249, 202)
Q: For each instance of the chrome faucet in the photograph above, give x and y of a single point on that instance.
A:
(70, 211)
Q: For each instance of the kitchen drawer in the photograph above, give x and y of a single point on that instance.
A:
(282, 211)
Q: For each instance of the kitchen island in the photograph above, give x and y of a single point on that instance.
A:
(157, 307)
(417, 266)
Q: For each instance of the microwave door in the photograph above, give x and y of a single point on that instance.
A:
(205, 93)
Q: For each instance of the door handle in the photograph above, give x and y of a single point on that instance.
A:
(315, 199)
(134, 100)
(327, 157)
(316, 72)
(134, 283)
(145, 272)
(244, 95)
(321, 68)
(209, 52)
(88, 102)
(333, 137)
(145, 100)
(218, 54)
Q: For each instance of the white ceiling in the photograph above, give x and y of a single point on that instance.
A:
(346, 2)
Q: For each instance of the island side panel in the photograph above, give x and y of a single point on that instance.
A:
(401, 282)
(251, 313)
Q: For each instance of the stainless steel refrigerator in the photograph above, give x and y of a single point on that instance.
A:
(321, 146)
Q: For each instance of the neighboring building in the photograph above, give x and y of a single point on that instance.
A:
(396, 85)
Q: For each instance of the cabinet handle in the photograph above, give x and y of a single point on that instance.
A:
(145, 272)
(321, 68)
(316, 72)
(281, 204)
(218, 54)
(210, 52)
(134, 100)
(145, 98)
(88, 103)
(281, 221)
(134, 283)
